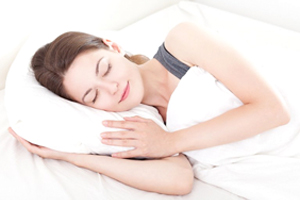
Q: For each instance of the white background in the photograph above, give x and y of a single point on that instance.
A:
(19, 18)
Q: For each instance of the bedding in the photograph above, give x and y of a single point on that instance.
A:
(77, 128)
(213, 99)
(26, 176)
(267, 163)
(29, 177)
(46, 119)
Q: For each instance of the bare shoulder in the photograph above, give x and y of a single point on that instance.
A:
(186, 38)
(200, 46)
(183, 29)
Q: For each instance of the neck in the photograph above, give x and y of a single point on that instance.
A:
(156, 84)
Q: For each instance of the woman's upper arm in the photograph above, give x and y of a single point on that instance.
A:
(198, 46)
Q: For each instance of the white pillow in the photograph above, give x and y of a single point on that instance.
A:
(44, 118)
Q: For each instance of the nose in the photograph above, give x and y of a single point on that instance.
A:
(109, 86)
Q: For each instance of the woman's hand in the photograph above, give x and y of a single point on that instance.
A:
(147, 138)
(40, 150)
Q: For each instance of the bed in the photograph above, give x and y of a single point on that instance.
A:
(273, 48)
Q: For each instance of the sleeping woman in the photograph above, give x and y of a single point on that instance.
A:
(98, 73)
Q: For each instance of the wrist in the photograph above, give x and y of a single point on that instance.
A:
(175, 142)
(75, 159)
(90, 162)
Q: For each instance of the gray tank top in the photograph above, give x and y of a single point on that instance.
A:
(172, 64)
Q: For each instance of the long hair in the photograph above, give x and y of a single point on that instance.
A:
(51, 62)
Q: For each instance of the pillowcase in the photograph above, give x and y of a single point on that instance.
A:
(43, 118)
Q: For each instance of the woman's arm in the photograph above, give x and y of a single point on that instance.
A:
(171, 175)
(263, 107)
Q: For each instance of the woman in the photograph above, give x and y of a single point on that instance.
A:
(100, 76)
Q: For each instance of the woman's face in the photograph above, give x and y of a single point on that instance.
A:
(104, 80)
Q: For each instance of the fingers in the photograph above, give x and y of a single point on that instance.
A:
(123, 143)
(126, 154)
(119, 124)
(41, 151)
(33, 148)
(121, 138)
(119, 135)
(130, 123)
(21, 140)
(13, 132)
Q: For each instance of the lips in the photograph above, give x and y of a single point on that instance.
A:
(125, 93)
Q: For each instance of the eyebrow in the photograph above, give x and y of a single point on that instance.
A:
(97, 71)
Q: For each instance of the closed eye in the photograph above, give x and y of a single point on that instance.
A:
(97, 66)
(95, 98)
(108, 70)
(97, 71)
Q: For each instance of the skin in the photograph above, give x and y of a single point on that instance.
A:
(103, 80)
(263, 108)
(172, 175)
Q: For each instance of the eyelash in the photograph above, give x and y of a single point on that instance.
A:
(94, 100)
(108, 70)
(106, 73)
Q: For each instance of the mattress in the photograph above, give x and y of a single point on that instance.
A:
(27, 176)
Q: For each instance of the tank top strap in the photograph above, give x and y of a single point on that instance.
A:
(172, 64)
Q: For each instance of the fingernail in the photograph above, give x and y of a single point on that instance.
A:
(104, 141)
(114, 155)
(105, 123)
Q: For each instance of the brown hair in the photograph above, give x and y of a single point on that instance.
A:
(52, 61)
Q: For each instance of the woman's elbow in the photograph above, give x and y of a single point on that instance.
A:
(283, 114)
(184, 184)
(286, 117)
(187, 187)
(278, 113)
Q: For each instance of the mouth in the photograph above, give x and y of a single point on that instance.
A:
(125, 93)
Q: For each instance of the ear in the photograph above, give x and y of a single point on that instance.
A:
(114, 46)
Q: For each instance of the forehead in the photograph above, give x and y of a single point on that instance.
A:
(85, 56)
(76, 79)
(88, 58)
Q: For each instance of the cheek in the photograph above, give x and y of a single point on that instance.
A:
(105, 103)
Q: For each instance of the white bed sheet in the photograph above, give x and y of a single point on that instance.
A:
(27, 176)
